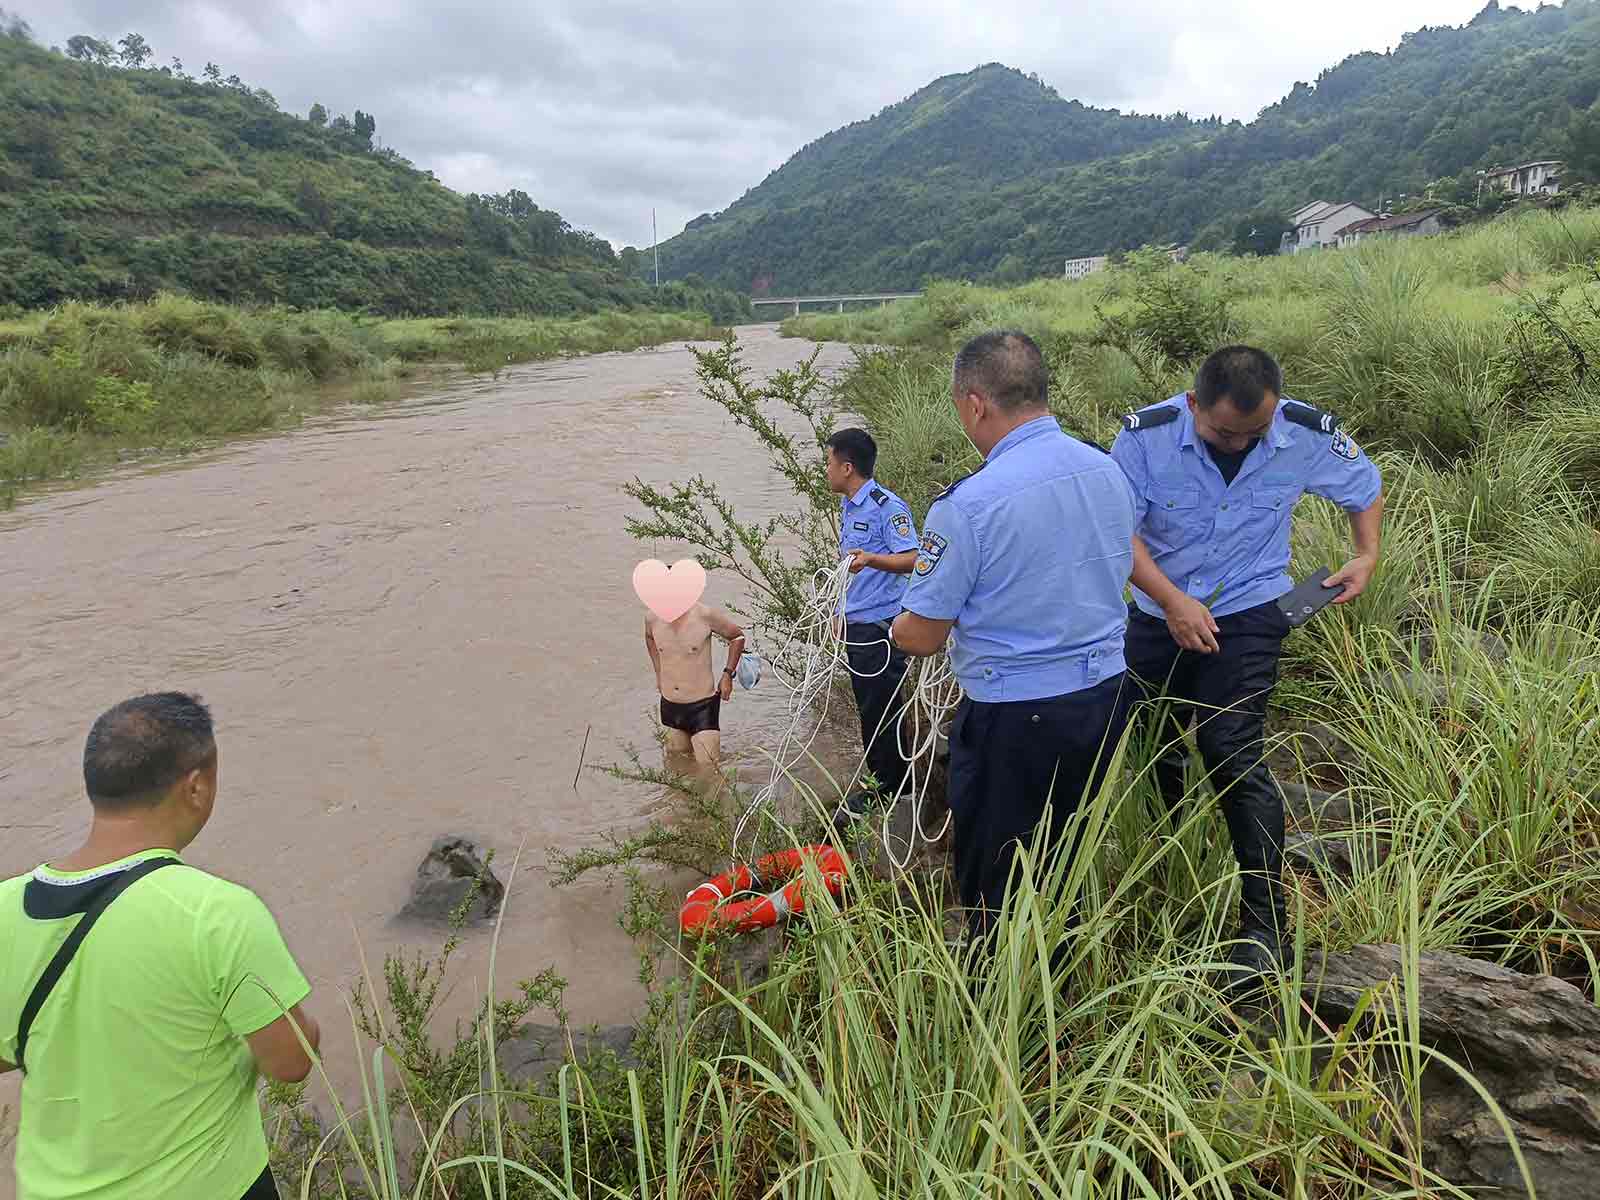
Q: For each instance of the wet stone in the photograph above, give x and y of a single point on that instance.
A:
(444, 880)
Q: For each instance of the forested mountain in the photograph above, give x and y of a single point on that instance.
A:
(118, 179)
(990, 175)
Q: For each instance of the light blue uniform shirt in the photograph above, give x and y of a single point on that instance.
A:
(1206, 534)
(877, 521)
(1029, 556)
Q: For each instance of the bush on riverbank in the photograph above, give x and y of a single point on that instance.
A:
(82, 382)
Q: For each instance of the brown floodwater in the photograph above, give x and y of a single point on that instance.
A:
(405, 619)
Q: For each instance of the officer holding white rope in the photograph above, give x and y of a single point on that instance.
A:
(877, 533)
(1025, 560)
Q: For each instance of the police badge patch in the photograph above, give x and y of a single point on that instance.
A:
(933, 546)
(901, 523)
(1344, 446)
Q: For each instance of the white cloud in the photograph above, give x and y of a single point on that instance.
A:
(601, 108)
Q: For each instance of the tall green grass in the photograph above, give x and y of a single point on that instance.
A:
(1092, 1054)
(81, 382)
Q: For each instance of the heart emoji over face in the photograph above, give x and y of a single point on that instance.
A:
(669, 592)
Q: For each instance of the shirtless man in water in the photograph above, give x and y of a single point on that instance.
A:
(691, 702)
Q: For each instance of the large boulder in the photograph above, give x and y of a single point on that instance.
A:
(1531, 1041)
(444, 879)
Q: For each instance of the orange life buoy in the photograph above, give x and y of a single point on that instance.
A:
(706, 909)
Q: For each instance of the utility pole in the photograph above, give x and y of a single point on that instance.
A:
(654, 245)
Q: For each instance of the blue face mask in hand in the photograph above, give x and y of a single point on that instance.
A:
(748, 672)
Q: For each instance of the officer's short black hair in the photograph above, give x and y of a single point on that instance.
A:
(140, 748)
(1241, 373)
(856, 447)
(1006, 366)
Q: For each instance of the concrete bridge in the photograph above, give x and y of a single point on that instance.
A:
(797, 301)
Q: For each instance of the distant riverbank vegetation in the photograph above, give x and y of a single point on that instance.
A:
(85, 384)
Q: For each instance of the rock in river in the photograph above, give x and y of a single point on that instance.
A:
(445, 877)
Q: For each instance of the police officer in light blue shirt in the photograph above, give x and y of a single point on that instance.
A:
(1216, 474)
(877, 532)
(1022, 566)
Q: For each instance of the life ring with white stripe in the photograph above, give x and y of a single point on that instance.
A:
(710, 908)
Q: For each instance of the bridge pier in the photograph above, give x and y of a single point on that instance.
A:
(797, 308)
(841, 306)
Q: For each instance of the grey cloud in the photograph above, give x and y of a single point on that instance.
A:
(603, 108)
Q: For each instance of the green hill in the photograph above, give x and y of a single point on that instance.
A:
(990, 175)
(120, 181)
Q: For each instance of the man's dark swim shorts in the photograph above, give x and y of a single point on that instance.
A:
(698, 716)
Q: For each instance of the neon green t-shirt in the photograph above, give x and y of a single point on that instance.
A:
(139, 1083)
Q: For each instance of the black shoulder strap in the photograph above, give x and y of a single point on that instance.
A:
(1310, 416)
(960, 481)
(69, 948)
(1151, 418)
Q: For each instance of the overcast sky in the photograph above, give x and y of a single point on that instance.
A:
(602, 109)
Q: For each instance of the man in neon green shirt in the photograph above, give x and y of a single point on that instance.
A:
(141, 1064)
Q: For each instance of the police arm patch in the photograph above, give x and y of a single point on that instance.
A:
(901, 523)
(1344, 446)
(932, 549)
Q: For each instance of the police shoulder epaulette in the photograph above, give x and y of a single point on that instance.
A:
(879, 495)
(957, 483)
(1310, 417)
(1149, 418)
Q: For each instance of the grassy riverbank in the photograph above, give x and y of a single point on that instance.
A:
(1454, 710)
(81, 385)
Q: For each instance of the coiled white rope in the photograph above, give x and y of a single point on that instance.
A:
(818, 640)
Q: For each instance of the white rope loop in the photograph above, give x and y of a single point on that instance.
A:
(820, 631)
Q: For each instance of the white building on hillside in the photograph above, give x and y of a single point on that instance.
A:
(1319, 225)
(1542, 178)
(1077, 268)
(1305, 210)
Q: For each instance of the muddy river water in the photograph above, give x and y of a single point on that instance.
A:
(405, 619)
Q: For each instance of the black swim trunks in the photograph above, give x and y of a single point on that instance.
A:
(698, 716)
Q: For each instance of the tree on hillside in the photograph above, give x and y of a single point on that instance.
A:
(311, 201)
(88, 49)
(318, 116)
(13, 26)
(1260, 232)
(213, 74)
(365, 127)
(1583, 146)
(35, 140)
(135, 51)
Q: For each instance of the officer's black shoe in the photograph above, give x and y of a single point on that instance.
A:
(1255, 953)
(853, 808)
